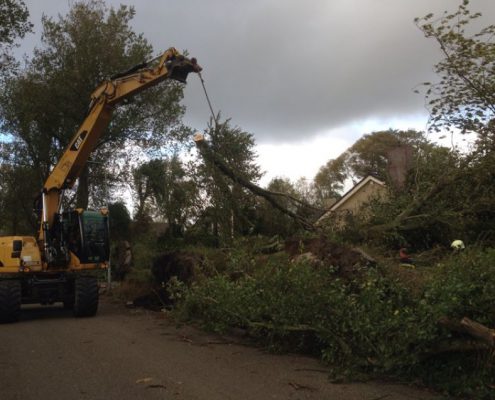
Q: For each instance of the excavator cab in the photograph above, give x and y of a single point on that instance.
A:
(94, 247)
(82, 233)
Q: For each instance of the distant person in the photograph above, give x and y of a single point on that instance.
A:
(457, 245)
(124, 260)
(404, 257)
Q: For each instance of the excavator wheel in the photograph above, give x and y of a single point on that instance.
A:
(10, 300)
(86, 296)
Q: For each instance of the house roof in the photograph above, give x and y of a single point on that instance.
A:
(351, 192)
(356, 189)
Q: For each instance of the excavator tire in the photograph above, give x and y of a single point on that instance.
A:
(10, 300)
(68, 304)
(70, 296)
(86, 296)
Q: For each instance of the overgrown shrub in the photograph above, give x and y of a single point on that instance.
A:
(370, 323)
(352, 322)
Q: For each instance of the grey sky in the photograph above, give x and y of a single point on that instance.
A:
(285, 70)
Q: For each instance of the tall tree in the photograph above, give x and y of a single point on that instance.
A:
(14, 24)
(17, 191)
(19, 186)
(165, 190)
(464, 96)
(43, 107)
(229, 205)
(329, 181)
(119, 221)
(175, 195)
(143, 177)
(368, 156)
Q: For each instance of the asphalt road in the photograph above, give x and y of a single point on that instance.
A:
(135, 354)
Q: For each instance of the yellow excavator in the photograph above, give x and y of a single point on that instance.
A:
(60, 264)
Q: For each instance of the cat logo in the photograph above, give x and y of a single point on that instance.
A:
(78, 142)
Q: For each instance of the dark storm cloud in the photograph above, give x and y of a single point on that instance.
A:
(285, 69)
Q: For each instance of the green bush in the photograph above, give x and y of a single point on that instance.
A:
(462, 286)
(350, 321)
(368, 324)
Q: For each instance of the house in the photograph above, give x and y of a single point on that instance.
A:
(367, 189)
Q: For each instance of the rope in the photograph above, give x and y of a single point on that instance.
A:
(208, 99)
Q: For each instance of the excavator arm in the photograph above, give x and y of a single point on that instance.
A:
(170, 65)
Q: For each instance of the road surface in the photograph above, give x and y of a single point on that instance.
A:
(135, 354)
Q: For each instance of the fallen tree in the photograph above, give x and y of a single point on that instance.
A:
(272, 197)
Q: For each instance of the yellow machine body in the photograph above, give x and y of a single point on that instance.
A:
(13, 260)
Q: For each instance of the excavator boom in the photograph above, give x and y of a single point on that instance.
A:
(170, 65)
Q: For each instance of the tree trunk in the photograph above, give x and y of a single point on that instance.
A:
(479, 331)
(472, 328)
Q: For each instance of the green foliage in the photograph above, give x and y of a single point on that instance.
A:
(463, 98)
(462, 286)
(228, 208)
(329, 181)
(18, 188)
(14, 24)
(165, 190)
(44, 105)
(281, 298)
(120, 221)
(144, 250)
(447, 196)
(368, 156)
(272, 221)
(368, 324)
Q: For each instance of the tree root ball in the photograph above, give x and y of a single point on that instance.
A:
(184, 266)
(321, 252)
